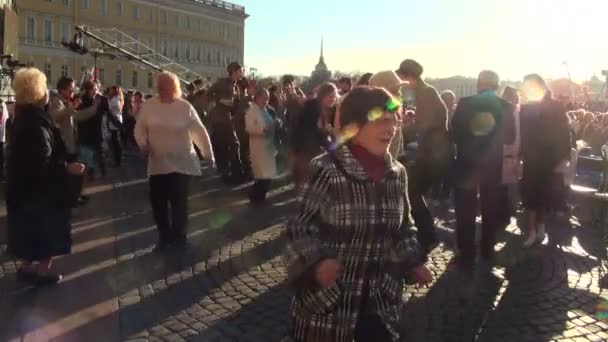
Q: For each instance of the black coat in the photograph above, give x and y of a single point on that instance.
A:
(481, 126)
(89, 131)
(37, 195)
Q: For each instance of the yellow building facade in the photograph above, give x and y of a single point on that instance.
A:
(202, 35)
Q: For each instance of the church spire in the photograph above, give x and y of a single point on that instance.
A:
(321, 47)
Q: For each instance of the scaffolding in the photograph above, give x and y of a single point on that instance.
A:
(125, 46)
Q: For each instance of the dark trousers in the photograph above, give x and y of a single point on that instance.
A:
(116, 146)
(259, 189)
(244, 152)
(169, 199)
(492, 199)
(1, 160)
(419, 183)
(371, 328)
(75, 183)
(226, 151)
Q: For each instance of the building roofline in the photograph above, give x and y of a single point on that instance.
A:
(224, 6)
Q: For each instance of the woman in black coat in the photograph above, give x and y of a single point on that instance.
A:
(313, 133)
(37, 196)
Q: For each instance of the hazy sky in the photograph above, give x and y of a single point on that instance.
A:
(448, 37)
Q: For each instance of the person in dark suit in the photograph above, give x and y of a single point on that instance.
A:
(481, 125)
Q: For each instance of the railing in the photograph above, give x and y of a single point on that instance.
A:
(223, 4)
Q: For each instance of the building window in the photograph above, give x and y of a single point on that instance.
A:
(83, 68)
(163, 47)
(47, 72)
(102, 7)
(177, 21)
(199, 25)
(101, 75)
(119, 7)
(85, 4)
(151, 18)
(65, 32)
(134, 79)
(199, 54)
(187, 51)
(208, 56)
(118, 77)
(150, 80)
(31, 29)
(151, 43)
(64, 70)
(188, 22)
(176, 54)
(218, 57)
(135, 12)
(48, 31)
(163, 16)
(66, 2)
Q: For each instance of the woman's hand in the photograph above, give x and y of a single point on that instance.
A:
(76, 169)
(327, 272)
(422, 275)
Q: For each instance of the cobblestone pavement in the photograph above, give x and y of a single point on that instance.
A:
(229, 284)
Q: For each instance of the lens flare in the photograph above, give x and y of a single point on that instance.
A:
(601, 311)
(533, 92)
(375, 114)
(219, 218)
(482, 124)
(393, 104)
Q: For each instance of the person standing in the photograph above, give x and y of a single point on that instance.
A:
(541, 153)
(481, 126)
(165, 131)
(313, 132)
(3, 121)
(434, 149)
(64, 111)
(261, 129)
(391, 82)
(225, 92)
(348, 247)
(115, 123)
(37, 197)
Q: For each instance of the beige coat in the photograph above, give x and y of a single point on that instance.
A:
(258, 124)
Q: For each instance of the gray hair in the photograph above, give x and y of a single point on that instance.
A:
(488, 79)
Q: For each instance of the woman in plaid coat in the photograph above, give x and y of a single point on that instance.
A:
(349, 248)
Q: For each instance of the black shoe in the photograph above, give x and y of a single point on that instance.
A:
(26, 275)
(48, 279)
(179, 242)
(160, 247)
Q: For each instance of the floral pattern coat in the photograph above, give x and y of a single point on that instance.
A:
(364, 224)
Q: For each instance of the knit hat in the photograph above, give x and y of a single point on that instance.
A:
(410, 67)
(387, 80)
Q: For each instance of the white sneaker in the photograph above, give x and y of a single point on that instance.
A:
(531, 240)
(540, 232)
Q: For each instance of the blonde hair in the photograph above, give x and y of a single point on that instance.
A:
(29, 86)
(177, 90)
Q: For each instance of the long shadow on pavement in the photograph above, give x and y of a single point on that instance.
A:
(69, 298)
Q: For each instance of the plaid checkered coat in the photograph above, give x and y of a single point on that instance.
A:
(345, 215)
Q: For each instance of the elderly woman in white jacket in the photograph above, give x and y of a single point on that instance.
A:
(261, 128)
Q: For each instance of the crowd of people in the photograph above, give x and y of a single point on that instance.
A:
(365, 156)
